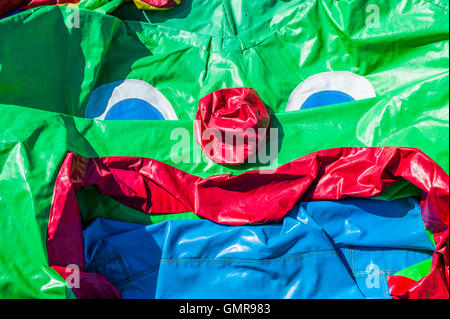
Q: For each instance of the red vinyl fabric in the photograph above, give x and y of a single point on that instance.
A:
(162, 3)
(252, 197)
(7, 6)
(436, 282)
(226, 116)
(38, 3)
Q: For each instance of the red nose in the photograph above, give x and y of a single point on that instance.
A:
(230, 124)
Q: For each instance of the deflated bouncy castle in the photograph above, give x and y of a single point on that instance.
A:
(217, 149)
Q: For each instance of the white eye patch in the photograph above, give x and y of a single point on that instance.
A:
(329, 88)
(129, 100)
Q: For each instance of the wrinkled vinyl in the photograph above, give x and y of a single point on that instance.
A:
(320, 250)
(54, 58)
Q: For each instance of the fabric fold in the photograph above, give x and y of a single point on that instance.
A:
(251, 197)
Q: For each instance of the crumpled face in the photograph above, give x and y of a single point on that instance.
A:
(332, 77)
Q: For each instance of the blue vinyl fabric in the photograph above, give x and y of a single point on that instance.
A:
(134, 109)
(327, 97)
(324, 249)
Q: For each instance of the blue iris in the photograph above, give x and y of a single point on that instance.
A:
(134, 109)
(326, 97)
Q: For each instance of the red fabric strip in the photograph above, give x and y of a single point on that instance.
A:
(28, 4)
(251, 197)
(162, 3)
(38, 3)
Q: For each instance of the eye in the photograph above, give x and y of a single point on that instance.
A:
(329, 88)
(129, 100)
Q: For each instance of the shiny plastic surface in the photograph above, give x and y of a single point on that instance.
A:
(188, 52)
(251, 197)
(326, 249)
(230, 125)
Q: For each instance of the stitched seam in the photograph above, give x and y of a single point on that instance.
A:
(384, 271)
(251, 261)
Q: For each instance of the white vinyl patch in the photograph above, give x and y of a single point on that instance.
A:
(333, 84)
(116, 94)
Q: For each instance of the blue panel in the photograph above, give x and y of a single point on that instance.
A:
(326, 97)
(320, 250)
(371, 223)
(133, 109)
